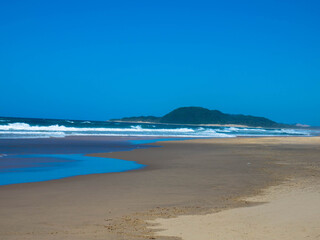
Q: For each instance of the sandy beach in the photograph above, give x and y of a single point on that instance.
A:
(217, 185)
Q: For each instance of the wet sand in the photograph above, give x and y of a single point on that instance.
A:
(185, 177)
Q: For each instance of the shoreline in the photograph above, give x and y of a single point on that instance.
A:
(220, 125)
(187, 124)
(182, 177)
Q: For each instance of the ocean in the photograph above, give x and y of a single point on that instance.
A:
(57, 128)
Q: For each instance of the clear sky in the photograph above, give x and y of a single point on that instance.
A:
(107, 59)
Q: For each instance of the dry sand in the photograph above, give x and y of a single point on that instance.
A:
(288, 212)
(182, 178)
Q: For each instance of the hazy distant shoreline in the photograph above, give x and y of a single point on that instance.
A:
(187, 124)
(213, 125)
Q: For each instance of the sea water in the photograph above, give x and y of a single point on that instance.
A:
(45, 128)
(43, 159)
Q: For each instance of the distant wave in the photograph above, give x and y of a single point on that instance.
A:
(62, 134)
(264, 131)
(25, 130)
(27, 127)
(17, 130)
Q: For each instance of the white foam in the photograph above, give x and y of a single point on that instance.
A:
(25, 130)
(33, 132)
(27, 127)
(292, 131)
(235, 129)
(86, 122)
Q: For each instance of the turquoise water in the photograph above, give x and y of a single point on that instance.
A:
(71, 165)
(146, 141)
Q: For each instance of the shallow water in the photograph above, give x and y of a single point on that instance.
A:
(35, 160)
(37, 168)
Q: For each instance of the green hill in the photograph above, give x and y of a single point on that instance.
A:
(199, 115)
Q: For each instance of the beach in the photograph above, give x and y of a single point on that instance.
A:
(166, 120)
(186, 182)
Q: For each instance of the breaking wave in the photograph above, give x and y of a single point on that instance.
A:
(87, 128)
(262, 131)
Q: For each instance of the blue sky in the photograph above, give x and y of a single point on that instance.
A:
(106, 59)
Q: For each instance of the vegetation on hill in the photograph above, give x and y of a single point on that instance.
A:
(199, 115)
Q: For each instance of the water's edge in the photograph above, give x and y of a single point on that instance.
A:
(45, 167)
